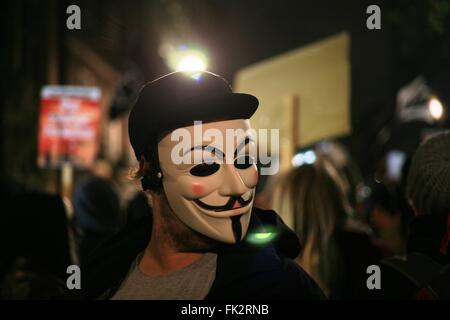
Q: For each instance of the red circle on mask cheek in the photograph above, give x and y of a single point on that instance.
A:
(197, 189)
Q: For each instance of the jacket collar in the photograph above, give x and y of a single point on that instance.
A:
(238, 261)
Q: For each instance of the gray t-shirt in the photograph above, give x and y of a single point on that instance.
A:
(192, 282)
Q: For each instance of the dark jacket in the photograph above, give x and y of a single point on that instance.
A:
(244, 270)
(34, 245)
(356, 252)
(424, 254)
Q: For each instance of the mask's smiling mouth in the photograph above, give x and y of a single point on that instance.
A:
(235, 202)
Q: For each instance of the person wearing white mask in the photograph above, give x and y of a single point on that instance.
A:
(200, 181)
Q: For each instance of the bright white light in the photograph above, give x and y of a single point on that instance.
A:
(298, 160)
(310, 157)
(183, 57)
(191, 63)
(436, 108)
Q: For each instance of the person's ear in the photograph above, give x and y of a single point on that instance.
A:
(152, 176)
(152, 180)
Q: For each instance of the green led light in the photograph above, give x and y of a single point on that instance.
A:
(263, 235)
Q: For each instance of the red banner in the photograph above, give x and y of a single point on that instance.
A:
(68, 126)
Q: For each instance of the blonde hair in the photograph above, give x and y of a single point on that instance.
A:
(316, 204)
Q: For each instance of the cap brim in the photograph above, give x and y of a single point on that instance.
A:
(153, 126)
(228, 107)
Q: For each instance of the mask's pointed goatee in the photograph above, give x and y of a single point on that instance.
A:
(237, 227)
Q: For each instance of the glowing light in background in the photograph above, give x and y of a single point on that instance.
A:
(298, 160)
(191, 63)
(184, 58)
(436, 109)
(308, 157)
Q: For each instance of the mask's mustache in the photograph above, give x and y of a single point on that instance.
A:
(228, 206)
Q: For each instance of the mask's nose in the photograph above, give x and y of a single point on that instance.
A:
(232, 184)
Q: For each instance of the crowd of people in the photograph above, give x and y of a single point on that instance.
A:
(402, 228)
(336, 225)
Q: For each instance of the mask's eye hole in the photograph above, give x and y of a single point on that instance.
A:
(244, 162)
(205, 169)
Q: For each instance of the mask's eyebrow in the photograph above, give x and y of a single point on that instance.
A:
(216, 151)
(243, 144)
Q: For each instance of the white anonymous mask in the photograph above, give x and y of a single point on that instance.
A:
(213, 193)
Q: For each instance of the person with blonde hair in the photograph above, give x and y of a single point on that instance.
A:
(334, 254)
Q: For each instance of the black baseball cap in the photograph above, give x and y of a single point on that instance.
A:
(177, 100)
